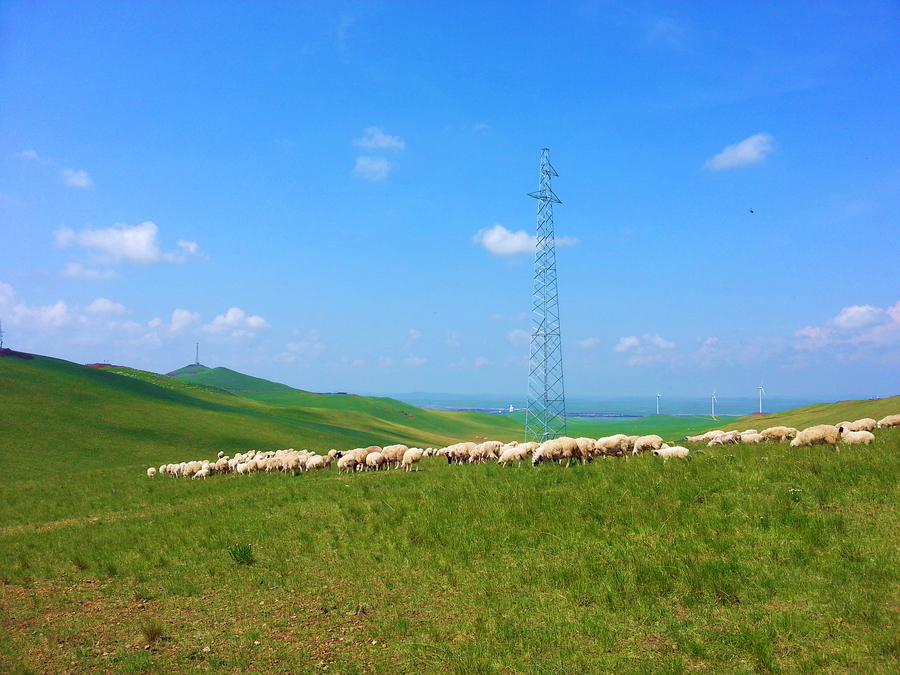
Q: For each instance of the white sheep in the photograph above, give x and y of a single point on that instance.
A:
(609, 446)
(857, 437)
(393, 454)
(151, 472)
(864, 424)
(412, 456)
(646, 444)
(512, 453)
(820, 434)
(314, 463)
(556, 450)
(889, 421)
(704, 438)
(676, 451)
(778, 433)
(346, 462)
(750, 438)
(375, 460)
(727, 438)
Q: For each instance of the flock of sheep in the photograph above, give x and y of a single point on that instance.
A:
(569, 449)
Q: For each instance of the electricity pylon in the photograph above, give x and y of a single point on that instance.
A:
(545, 416)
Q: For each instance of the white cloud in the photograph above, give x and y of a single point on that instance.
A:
(374, 138)
(415, 361)
(7, 294)
(749, 151)
(154, 322)
(858, 325)
(588, 343)
(518, 337)
(78, 179)
(385, 362)
(104, 306)
(236, 323)
(132, 243)
(50, 316)
(482, 362)
(626, 343)
(644, 350)
(310, 346)
(373, 169)
(452, 339)
(659, 342)
(497, 240)
(182, 319)
(78, 271)
(860, 316)
(28, 154)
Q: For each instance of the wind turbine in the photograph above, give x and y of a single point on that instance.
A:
(657, 401)
(762, 392)
(713, 403)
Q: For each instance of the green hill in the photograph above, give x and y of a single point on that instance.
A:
(820, 413)
(230, 380)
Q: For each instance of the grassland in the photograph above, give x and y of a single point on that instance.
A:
(759, 559)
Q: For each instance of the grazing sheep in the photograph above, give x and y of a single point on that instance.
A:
(751, 438)
(347, 463)
(412, 456)
(864, 424)
(375, 460)
(889, 421)
(676, 451)
(393, 454)
(314, 463)
(820, 434)
(556, 450)
(862, 437)
(704, 438)
(587, 447)
(611, 446)
(778, 433)
(728, 438)
(646, 444)
(512, 453)
(151, 472)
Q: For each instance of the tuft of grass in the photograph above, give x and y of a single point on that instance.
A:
(152, 631)
(242, 554)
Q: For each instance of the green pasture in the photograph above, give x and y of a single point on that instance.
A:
(747, 559)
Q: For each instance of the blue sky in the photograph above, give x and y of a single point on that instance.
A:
(333, 195)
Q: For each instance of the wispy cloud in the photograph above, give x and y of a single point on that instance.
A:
(373, 169)
(749, 151)
(75, 270)
(588, 343)
(129, 243)
(644, 350)
(105, 306)
(374, 138)
(857, 325)
(518, 337)
(78, 179)
(498, 240)
(376, 168)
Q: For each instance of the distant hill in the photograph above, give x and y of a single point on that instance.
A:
(230, 380)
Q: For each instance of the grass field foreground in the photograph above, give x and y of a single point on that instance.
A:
(747, 559)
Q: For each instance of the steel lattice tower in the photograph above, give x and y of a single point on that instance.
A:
(545, 416)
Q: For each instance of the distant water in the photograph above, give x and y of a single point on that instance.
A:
(626, 406)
